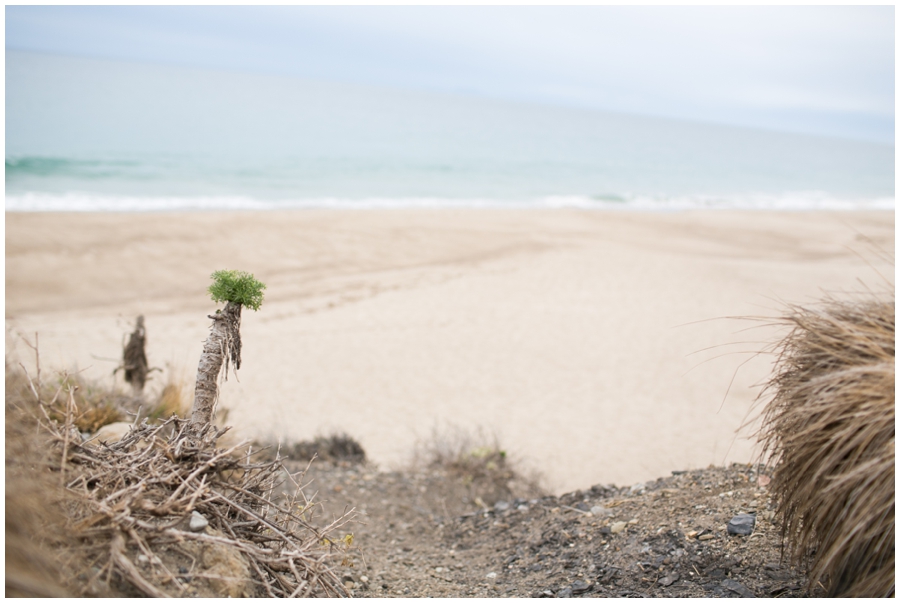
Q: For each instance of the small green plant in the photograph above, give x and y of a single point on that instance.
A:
(237, 287)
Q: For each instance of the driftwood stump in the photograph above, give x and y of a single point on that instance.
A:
(134, 358)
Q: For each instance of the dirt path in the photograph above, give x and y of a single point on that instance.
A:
(426, 536)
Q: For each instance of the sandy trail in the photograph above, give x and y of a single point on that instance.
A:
(570, 334)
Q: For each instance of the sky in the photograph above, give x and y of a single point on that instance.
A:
(825, 70)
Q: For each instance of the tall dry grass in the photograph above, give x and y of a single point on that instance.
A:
(829, 430)
(35, 520)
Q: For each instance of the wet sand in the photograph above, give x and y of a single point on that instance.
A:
(593, 344)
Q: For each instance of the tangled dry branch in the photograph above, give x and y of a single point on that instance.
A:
(164, 512)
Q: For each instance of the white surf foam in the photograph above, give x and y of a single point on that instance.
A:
(797, 201)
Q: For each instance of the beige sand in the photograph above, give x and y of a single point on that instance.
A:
(569, 334)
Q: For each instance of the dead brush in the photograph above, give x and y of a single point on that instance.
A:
(96, 404)
(129, 507)
(829, 431)
(336, 448)
(140, 493)
(478, 462)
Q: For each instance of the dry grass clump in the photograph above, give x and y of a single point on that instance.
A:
(829, 428)
(478, 462)
(336, 447)
(172, 400)
(128, 507)
(95, 405)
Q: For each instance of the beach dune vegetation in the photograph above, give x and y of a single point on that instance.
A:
(829, 430)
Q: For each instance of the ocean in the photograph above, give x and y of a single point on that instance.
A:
(95, 135)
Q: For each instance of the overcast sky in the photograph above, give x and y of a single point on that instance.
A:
(820, 70)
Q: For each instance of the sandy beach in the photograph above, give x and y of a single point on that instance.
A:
(595, 345)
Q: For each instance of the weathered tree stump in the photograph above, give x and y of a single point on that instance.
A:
(134, 358)
(222, 346)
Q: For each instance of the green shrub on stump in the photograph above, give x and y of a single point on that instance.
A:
(236, 287)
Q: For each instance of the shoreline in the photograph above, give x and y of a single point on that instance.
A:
(567, 333)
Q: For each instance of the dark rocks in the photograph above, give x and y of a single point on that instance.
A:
(606, 575)
(717, 573)
(783, 589)
(737, 587)
(677, 548)
(742, 525)
(580, 586)
(668, 580)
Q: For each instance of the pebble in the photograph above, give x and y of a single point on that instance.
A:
(742, 524)
(491, 575)
(705, 537)
(564, 593)
(501, 506)
(112, 432)
(617, 527)
(600, 511)
(198, 522)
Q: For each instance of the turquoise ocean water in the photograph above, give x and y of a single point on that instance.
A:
(84, 135)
